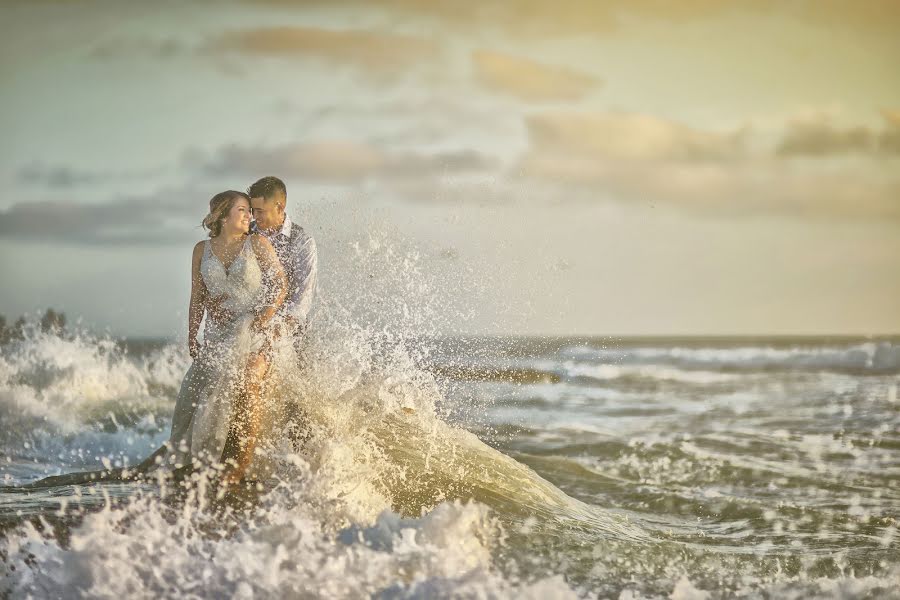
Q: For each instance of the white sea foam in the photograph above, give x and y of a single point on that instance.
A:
(378, 449)
(72, 399)
(388, 499)
(283, 550)
(328, 530)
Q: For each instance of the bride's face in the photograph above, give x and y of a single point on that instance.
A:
(238, 218)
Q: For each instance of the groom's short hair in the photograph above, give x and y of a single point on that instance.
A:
(266, 188)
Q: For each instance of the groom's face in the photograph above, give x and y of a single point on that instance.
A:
(268, 212)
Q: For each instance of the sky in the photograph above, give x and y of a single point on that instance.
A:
(542, 168)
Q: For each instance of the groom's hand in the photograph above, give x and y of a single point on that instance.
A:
(257, 324)
(283, 325)
(291, 325)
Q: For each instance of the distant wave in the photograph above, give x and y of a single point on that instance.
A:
(508, 374)
(650, 371)
(682, 364)
(870, 357)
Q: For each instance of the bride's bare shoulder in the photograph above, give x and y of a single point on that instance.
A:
(198, 249)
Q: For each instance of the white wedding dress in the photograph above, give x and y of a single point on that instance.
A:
(204, 409)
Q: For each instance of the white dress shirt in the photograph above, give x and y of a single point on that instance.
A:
(296, 250)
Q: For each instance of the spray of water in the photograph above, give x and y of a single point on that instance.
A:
(384, 497)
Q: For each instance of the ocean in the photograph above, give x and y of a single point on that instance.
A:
(481, 467)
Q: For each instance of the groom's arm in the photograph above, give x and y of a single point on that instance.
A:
(276, 281)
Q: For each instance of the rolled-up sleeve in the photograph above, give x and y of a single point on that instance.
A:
(302, 285)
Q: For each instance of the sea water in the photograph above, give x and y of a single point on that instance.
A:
(486, 467)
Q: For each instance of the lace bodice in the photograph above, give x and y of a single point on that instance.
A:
(241, 283)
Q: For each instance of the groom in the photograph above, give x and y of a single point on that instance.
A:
(296, 250)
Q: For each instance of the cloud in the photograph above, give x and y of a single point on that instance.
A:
(574, 17)
(892, 116)
(647, 160)
(425, 117)
(534, 17)
(148, 220)
(760, 187)
(61, 177)
(889, 139)
(818, 136)
(339, 162)
(56, 176)
(530, 80)
(162, 49)
(372, 51)
(628, 136)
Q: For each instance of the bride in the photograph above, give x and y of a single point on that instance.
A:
(219, 410)
(238, 282)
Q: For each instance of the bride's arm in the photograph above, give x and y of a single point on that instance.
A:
(276, 289)
(198, 300)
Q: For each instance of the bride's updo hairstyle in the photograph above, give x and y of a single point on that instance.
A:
(219, 207)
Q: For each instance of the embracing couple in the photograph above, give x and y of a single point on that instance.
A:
(253, 280)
